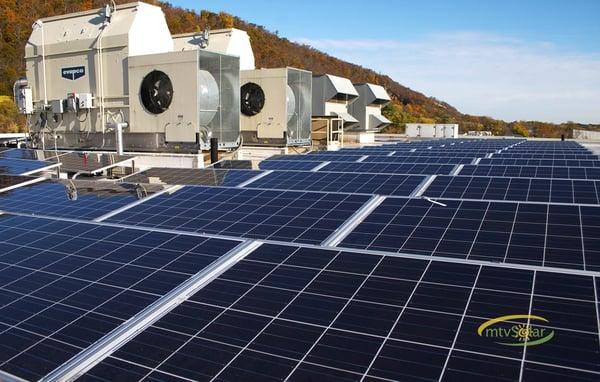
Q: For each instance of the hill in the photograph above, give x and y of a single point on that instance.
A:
(271, 50)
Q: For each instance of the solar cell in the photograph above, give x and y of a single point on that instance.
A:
(518, 233)
(65, 285)
(23, 167)
(51, 198)
(304, 217)
(205, 177)
(517, 189)
(357, 183)
(286, 313)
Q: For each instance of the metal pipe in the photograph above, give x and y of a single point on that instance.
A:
(214, 150)
(119, 137)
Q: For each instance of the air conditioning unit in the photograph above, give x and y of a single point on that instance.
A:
(276, 107)
(94, 74)
(185, 98)
(367, 108)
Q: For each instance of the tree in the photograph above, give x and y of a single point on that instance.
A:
(519, 128)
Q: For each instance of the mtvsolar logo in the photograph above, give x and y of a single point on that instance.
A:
(73, 73)
(510, 331)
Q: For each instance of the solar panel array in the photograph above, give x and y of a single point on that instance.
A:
(380, 263)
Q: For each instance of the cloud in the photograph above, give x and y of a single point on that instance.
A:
(485, 74)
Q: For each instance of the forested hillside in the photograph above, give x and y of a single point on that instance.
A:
(271, 50)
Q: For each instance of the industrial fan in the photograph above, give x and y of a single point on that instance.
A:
(156, 92)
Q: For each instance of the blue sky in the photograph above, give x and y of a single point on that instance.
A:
(506, 59)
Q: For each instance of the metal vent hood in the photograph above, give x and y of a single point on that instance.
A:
(367, 108)
(232, 41)
(331, 97)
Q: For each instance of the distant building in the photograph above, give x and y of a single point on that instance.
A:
(432, 130)
(586, 134)
(479, 133)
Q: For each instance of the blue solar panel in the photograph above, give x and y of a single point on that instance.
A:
(285, 313)
(300, 165)
(517, 189)
(204, 177)
(389, 168)
(496, 161)
(418, 159)
(20, 166)
(527, 155)
(50, 198)
(532, 172)
(402, 185)
(65, 285)
(521, 233)
(301, 217)
(31, 154)
(318, 157)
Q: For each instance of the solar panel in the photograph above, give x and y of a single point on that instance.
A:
(418, 159)
(65, 285)
(31, 154)
(532, 172)
(205, 177)
(234, 164)
(389, 168)
(303, 217)
(299, 165)
(8, 182)
(357, 183)
(23, 167)
(517, 189)
(317, 157)
(345, 284)
(496, 161)
(519, 233)
(527, 155)
(286, 313)
(51, 198)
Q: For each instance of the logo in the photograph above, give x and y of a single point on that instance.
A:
(510, 331)
(73, 73)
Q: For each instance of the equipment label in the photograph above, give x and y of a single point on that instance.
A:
(73, 73)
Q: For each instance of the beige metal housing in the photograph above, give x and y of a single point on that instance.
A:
(84, 53)
(367, 108)
(232, 42)
(205, 98)
(285, 118)
(85, 73)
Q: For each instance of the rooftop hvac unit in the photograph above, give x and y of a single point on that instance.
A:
(185, 98)
(367, 108)
(95, 73)
(233, 42)
(276, 107)
(331, 96)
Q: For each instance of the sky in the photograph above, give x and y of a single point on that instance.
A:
(513, 60)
